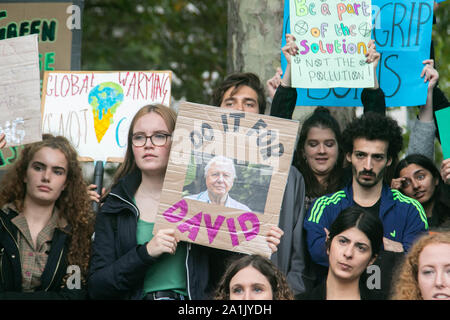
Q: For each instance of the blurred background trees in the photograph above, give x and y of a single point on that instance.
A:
(441, 33)
(187, 37)
(201, 41)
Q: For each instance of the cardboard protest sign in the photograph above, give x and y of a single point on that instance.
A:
(402, 33)
(226, 177)
(332, 38)
(443, 120)
(20, 118)
(94, 109)
(57, 23)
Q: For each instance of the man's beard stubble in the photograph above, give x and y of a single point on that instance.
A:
(368, 184)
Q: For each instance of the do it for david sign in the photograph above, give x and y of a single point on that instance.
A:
(226, 177)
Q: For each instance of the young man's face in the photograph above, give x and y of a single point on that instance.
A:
(369, 160)
(243, 99)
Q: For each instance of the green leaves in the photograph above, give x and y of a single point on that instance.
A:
(187, 37)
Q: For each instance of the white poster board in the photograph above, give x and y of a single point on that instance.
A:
(243, 157)
(20, 115)
(94, 109)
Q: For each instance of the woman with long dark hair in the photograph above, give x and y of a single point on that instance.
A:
(417, 177)
(353, 243)
(319, 156)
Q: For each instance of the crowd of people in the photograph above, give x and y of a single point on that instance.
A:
(349, 203)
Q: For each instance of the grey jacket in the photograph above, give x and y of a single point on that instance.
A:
(290, 257)
(421, 139)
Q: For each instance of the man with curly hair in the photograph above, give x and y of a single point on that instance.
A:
(371, 144)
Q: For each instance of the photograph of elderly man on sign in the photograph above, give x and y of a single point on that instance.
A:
(227, 182)
(225, 179)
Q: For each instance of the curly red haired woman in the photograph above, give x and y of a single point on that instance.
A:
(425, 272)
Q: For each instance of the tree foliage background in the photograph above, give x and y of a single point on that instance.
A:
(186, 37)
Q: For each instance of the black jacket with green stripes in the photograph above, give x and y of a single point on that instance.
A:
(403, 219)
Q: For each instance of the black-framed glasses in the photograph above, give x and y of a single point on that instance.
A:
(157, 139)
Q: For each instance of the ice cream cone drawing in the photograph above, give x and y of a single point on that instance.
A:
(104, 99)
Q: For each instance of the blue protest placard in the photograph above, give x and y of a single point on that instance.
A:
(402, 32)
(443, 119)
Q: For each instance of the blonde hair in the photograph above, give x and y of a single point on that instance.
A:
(129, 164)
(406, 287)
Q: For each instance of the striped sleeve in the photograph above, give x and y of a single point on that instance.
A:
(397, 195)
(321, 214)
(321, 203)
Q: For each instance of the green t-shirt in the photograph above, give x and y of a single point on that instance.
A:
(169, 271)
